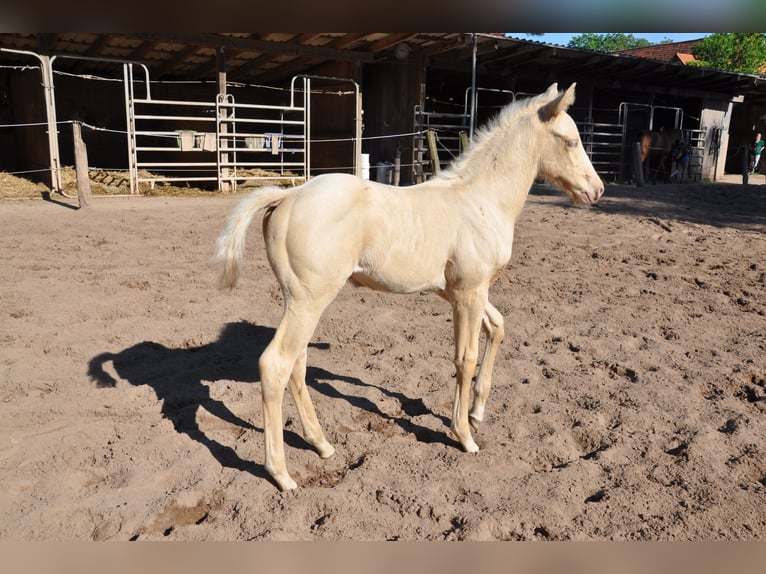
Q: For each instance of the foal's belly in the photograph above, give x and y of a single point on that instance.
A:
(409, 280)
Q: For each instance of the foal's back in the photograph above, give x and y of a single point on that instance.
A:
(395, 239)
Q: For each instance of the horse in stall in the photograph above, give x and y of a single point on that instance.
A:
(655, 152)
(451, 235)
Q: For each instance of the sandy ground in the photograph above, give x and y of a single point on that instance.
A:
(629, 400)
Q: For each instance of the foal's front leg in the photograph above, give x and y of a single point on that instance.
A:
(467, 309)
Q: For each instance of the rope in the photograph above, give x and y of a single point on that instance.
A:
(444, 146)
(27, 171)
(20, 68)
(241, 138)
(204, 82)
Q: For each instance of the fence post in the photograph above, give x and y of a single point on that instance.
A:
(745, 165)
(81, 166)
(464, 143)
(638, 167)
(227, 185)
(397, 166)
(433, 151)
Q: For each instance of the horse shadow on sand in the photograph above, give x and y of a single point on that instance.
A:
(181, 378)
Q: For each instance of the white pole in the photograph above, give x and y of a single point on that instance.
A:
(473, 89)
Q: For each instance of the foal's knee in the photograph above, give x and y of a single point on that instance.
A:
(467, 360)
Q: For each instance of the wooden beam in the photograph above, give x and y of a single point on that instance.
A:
(141, 51)
(205, 69)
(98, 45)
(44, 42)
(260, 61)
(93, 50)
(391, 40)
(349, 40)
(525, 52)
(220, 64)
(304, 39)
(255, 45)
(286, 70)
(251, 65)
(172, 63)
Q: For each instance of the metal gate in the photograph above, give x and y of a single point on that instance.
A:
(635, 117)
(607, 135)
(602, 138)
(450, 131)
(221, 141)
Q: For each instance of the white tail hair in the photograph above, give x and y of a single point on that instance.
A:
(230, 246)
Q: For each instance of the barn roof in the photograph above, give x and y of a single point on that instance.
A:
(667, 52)
(273, 58)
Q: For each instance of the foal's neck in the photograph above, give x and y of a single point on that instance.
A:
(502, 167)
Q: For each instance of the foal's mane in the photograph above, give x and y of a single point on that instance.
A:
(488, 136)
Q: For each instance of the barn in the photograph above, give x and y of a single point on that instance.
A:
(224, 109)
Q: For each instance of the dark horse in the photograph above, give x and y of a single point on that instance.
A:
(655, 152)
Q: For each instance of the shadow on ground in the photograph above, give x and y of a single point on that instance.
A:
(716, 204)
(181, 377)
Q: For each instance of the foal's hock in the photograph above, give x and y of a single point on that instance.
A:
(451, 235)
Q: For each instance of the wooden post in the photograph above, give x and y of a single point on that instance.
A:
(50, 112)
(745, 165)
(226, 185)
(397, 166)
(464, 143)
(638, 167)
(81, 166)
(431, 135)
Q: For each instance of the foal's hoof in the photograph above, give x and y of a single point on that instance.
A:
(474, 421)
(470, 446)
(286, 483)
(283, 479)
(325, 450)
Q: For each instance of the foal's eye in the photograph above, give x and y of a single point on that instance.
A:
(571, 143)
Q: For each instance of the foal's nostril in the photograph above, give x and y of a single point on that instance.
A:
(599, 189)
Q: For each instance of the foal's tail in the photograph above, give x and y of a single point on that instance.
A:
(230, 246)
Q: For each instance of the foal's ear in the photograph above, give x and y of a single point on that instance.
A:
(559, 104)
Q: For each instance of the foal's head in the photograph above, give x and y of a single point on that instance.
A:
(563, 159)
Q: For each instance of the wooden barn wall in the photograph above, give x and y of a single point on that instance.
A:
(24, 148)
(8, 139)
(333, 112)
(391, 92)
(715, 118)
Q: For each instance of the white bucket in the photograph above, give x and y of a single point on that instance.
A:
(384, 172)
(365, 166)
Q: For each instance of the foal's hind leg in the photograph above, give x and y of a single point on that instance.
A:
(493, 325)
(277, 365)
(312, 431)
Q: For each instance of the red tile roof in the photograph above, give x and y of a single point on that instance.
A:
(673, 52)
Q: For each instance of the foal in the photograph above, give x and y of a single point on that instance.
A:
(451, 235)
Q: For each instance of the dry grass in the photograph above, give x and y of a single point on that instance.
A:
(114, 183)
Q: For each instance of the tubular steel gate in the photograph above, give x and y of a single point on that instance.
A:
(450, 131)
(226, 142)
(607, 136)
(634, 117)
